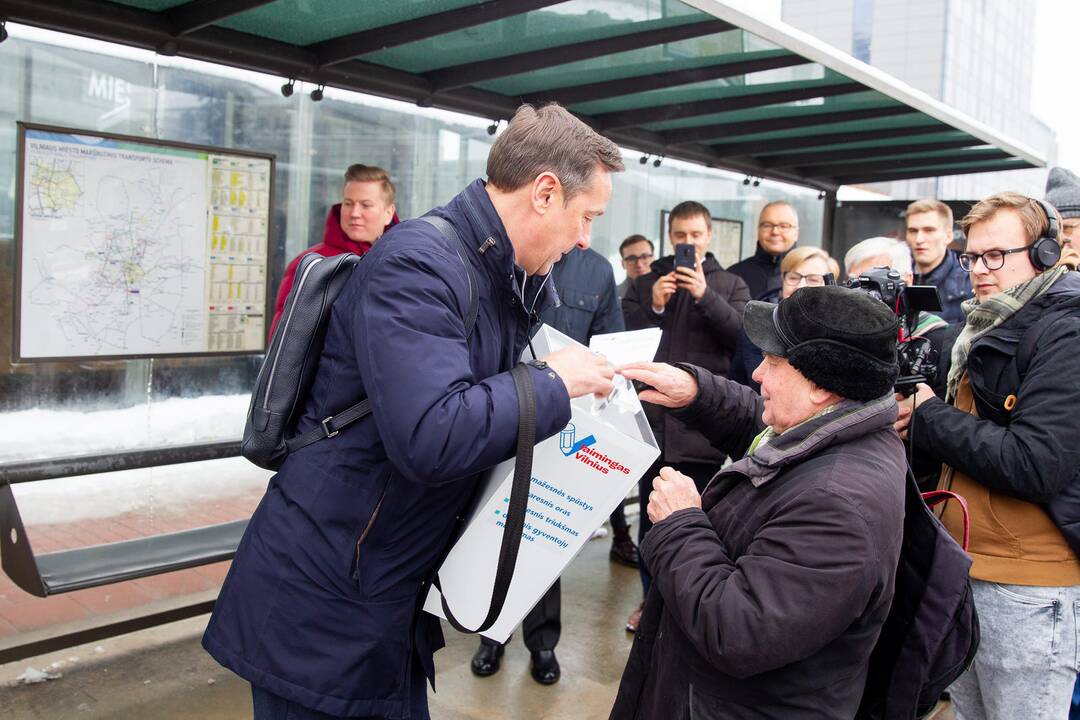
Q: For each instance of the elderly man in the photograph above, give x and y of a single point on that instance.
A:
(770, 590)
(777, 233)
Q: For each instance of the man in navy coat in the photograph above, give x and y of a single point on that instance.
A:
(321, 610)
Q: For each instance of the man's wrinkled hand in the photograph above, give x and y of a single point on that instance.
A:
(582, 372)
(669, 386)
(672, 491)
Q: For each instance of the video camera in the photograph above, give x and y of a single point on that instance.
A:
(918, 361)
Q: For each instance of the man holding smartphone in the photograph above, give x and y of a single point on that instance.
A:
(699, 307)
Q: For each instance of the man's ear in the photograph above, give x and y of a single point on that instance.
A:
(546, 189)
(820, 396)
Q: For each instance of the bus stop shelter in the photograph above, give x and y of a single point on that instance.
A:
(699, 80)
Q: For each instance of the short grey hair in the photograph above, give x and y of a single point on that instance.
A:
(549, 139)
(897, 250)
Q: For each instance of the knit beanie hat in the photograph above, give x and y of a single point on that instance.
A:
(1063, 192)
(840, 339)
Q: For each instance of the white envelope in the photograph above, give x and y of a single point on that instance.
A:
(579, 476)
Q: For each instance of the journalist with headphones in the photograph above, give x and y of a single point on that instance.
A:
(1005, 437)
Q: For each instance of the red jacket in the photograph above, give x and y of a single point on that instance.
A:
(334, 242)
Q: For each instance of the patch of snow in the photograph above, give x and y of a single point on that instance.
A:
(43, 433)
(32, 676)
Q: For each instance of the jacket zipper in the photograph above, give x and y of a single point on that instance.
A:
(367, 528)
(284, 332)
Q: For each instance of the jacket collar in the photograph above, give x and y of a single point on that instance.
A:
(938, 274)
(764, 257)
(848, 421)
(335, 237)
(494, 252)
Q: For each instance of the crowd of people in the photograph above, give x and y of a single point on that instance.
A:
(771, 523)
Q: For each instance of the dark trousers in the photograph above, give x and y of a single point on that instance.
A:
(268, 706)
(619, 525)
(701, 473)
(543, 625)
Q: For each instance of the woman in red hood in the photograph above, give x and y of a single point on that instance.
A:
(365, 212)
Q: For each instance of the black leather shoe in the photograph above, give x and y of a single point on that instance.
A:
(486, 660)
(624, 552)
(545, 667)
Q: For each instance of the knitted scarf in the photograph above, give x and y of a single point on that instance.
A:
(983, 317)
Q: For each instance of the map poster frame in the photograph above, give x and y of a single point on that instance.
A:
(726, 245)
(185, 151)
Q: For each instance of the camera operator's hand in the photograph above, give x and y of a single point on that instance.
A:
(672, 491)
(670, 386)
(582, 372)
(692, 280)
(662, 290)
(923, 392)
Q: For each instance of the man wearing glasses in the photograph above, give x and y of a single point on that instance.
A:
(637, 256)
(1005, 437)
(778, 231)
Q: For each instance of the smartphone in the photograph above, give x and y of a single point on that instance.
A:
(685, 255)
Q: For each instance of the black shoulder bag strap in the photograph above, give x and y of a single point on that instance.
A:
(334, 424)
(515, 514)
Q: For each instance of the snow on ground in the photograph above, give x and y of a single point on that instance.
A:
(176, 421)
(46, 433)
(168, 488)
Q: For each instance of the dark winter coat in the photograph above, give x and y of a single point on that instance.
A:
(767, 602)
(588, 303)
(1031, 453)
(322, 603)
(702, 333)
(334, 242)
(760, 272)
(953, 284)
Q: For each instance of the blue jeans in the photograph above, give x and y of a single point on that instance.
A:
(1027, 661)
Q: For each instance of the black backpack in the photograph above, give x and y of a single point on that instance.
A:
(931, 633)
(288, 368)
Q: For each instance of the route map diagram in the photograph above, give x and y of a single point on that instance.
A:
(121, 251)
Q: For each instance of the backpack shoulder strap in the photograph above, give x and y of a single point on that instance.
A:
(450, 233)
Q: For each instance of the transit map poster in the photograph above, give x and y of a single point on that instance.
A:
(131, 247)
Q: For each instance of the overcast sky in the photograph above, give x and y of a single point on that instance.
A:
(1055, 89)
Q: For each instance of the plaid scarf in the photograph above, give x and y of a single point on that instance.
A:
(983, 317)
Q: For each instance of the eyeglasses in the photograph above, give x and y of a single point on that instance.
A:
(813, 279)
(782, 227)
(992, 259)
(643, 257)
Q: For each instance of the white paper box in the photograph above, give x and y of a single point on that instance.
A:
(579, 476)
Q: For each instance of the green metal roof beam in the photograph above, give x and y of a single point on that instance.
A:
(912, 163)
(339, 49)
(727, 67)
(775, 145)
(659, 113)
(457, 76)
(709, 132)
(1013, 164)
(836, 156)
(198, 14)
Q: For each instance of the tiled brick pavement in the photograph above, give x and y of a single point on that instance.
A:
(21, 612)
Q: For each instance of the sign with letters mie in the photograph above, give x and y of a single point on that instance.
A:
(579, 476)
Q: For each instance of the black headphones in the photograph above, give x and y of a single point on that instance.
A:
(1045, 251)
